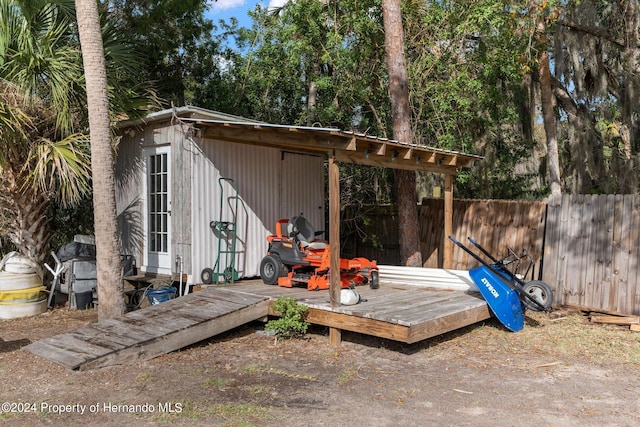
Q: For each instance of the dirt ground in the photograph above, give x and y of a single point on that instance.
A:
(558, 371)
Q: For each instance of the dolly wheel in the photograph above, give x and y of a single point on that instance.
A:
(271, 268)
(540, 292)
(230, 274)
(207, 276)
(375, 280)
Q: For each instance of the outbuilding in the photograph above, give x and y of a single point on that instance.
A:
(188, 178)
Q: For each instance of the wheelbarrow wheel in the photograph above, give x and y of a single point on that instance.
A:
(271, 268)
(539, 291)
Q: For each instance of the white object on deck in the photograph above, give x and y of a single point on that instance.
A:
(437, 278)
(349, 297)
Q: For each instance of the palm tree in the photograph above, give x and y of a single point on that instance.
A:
(44, 145)
(43, 158)
(104, 201)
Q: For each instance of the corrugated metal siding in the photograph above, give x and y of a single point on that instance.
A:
(130, 184)
(129, 202)
(301, 174)
(267, 193)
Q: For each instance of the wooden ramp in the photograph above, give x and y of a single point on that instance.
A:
(153, 331)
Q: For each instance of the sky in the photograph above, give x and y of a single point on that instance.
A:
(225, 9)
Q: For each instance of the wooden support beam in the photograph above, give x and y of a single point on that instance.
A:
(399, 162)
(352, 145)
(448, 221)
(334, 240)
(451, 160)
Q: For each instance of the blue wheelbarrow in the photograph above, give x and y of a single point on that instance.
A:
(506, 293)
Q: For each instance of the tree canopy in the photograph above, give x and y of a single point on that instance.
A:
(474, 83)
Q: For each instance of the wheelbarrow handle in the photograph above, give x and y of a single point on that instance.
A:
(483, 250)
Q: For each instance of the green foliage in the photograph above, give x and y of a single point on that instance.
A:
(44, 160)
(66, 222)
(333, 47)
(463, 62)
(472, 76)
(174, 44)
(464, 79)
(292, 323)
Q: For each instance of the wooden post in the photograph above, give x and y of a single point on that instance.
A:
(335, 335)
(448, 220)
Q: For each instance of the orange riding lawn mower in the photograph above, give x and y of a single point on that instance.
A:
(296, 257)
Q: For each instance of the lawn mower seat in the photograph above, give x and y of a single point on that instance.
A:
(302, 230)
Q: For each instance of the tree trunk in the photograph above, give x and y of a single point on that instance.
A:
(548, 118)
(401, 114)
(24, 216)
(630, 132)
(312, 98)
(30, 229)
(109, 266)
(631, 54)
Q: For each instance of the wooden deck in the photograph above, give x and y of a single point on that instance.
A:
(398, 312)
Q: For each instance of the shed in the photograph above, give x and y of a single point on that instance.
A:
(174, 171)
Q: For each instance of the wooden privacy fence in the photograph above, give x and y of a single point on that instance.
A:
(495, 224)
(586, 247)
(591, 251)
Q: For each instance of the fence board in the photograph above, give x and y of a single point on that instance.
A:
(607, 281)
(550, 255)
(635, 255)
(612, 300)
(590, 250)
(624, 305)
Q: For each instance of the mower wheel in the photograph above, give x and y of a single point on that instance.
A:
(271, 268)
(374, 283)
(539, 291)
(207, 276)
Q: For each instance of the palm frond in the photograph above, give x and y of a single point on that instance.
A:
(40, 54)
(15, 123)
(62, 167)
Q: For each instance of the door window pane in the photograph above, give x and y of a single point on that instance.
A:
(158, 203)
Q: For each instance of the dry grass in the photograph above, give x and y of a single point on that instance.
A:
(544, 337)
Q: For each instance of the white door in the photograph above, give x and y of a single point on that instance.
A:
(158, 210)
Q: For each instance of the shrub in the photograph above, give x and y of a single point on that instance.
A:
(292, 323)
